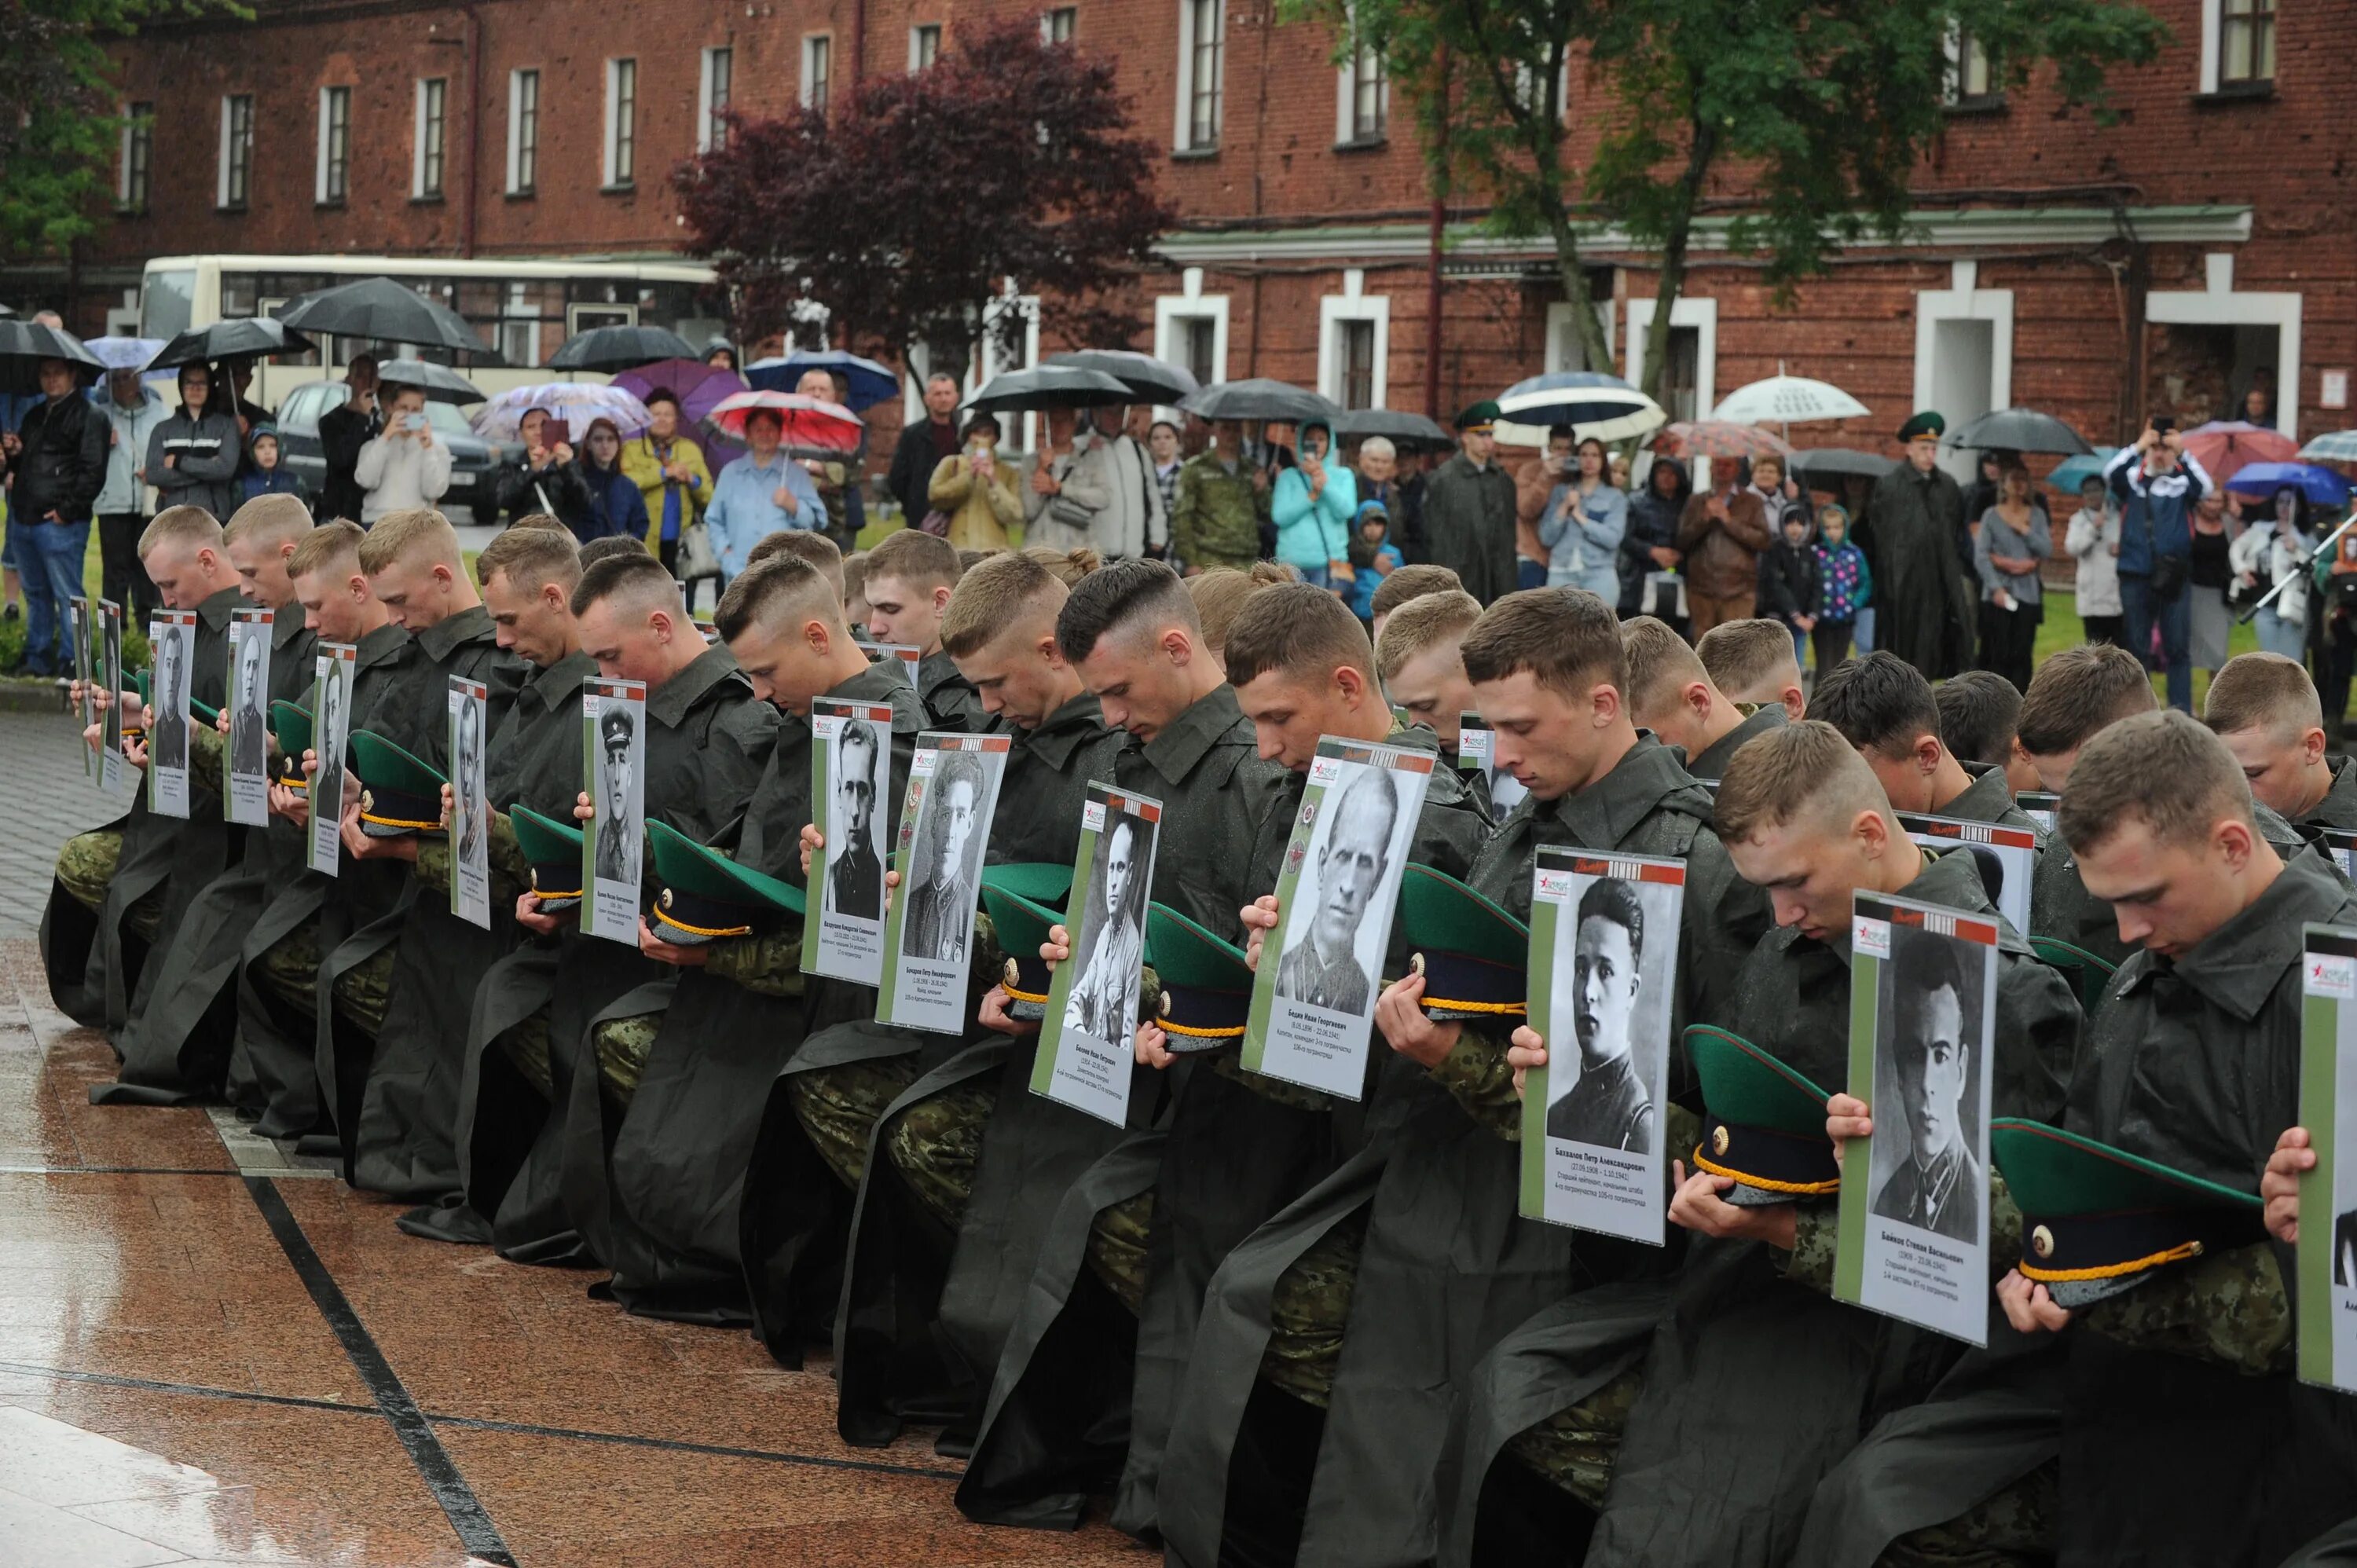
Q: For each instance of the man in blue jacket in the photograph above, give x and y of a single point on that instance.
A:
(2158, 483)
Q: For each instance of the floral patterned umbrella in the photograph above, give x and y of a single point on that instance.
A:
(575, 403)
(1718, 439)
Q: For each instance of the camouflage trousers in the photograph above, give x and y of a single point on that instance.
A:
(361, 991)
(85, 868)
(622, 1046)
(838, 1108)
(936, 1143)
(1575, 1447)
(526, 1046)
(288, 969)
(1308, 1311)
(1116, 1248)
(2014, 1529)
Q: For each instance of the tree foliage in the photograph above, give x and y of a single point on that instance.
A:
(907, 208)
(58, 130)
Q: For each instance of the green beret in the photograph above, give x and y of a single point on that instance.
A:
(1041, 882)
(1021, 925)
(1472, 954)
(1479, 415)
(1762, 1123)
(552, 850)
(399, 794)
(705, 895)
(1206, 985)
(2097, 1221)
(291, 723)
(1928, 423)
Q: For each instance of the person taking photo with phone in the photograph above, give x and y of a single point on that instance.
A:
(404, 468)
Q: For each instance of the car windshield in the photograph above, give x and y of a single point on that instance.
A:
(447, 420)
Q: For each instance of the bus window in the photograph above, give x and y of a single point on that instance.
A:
(240, 296)
(164, 304)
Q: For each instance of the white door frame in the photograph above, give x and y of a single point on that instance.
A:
(2219, 304)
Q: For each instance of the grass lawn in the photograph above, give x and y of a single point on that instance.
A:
(2063, 629)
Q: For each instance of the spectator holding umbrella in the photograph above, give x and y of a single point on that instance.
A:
(1469, 510)
(547, 480)
(194, 455)
(976, 491)
(1581, 529)
(1534, 494)
(56, 461)
(1068, 488)
(1137, 517)
(133, 411)
(761, 493)
(670, 471)
(343, 431)
(837, 482)
(1650, 542)
(1720, 536)
(2094, 540)
(404, 468)
(1216, 521)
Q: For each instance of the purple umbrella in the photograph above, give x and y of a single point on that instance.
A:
(700, 387)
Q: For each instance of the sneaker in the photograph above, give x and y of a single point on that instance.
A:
(14, 612)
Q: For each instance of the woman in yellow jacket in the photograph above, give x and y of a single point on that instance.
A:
(670, 471)
(977, 489)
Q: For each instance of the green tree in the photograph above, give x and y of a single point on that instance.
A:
(58, 130)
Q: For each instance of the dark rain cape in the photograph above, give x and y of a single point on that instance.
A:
(663, 1210)
(2164, 1457)
(1447, 1265)
(98, 968)
(2061, 906)
(948, 698)
(170, 1053)
(1711, 763)
(1754, 1385)
(707, 739)
(402, 1139)
(1925, 609)
(1064, 1398)
(888, 1354)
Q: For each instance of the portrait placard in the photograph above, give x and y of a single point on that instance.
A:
(172, 642)
(2326, 1258)
(247, 776)
(1913, 1236)
(1087, 1054)
(2340, 843)
(1477, 752)
(111, 760)
(1313, 998)
(614, 755)
(1603, 985)
(471, 812)
(904, 658)
(945, 826)
(331, 701)
(2007, 857)
(851, 775)
(2040, 806)
(78, 627)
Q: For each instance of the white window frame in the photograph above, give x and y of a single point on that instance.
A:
(2213, 39)
(1685, 311)
(612, 175)
(1563, 346)
(1048, 23)
(990, 361)
(1964, 300)
(1952, 79)
(1192, 304)
(1353, 304)
(417, 190)
(221, 183)
(518, 182)
(917, 31)
(2220, 304)
(813, 44)
(135, 137)
(320, 194)
(708, 134)
(1346, 91)
(1182, 137)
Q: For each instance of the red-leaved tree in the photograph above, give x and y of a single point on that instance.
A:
(906, 208)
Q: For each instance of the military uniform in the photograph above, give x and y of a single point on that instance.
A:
(1711, 764)
(1215, 518)
(950, 699)
(2338, 807)
(2060, 907)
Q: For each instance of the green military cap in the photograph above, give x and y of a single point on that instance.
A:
(706, 895)
(1206, 985)
(552, 850)
(291, 723)
(2097, 1221)
(1021, 925)
(1762, 1123)
(1041, 881)
(1478, 417)
(2090, 972)
(1928, 422)
(399, 794)
(1472, 954)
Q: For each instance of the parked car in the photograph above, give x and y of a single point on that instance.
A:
(475, 463)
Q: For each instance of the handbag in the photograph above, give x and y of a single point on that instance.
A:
(695, 557)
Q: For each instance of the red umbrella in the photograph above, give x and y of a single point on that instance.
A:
(1718, 439)
(813, 426)
(2222, 446)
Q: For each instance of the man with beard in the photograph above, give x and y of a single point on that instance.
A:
(1608, 1105)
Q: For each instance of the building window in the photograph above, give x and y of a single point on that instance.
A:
(1190, 328)
(1202, 32)
(621, 122)
(1682, 373)
(924, 46)
(1363, 107)
(2246, 42)
(425, 164)
(523, 136)
(818, 61)
(1353, 336)
(1358, 364)
(1057, 26)
(236, 152)
(1198, 340)
(1971, 79)
(716, 86)
(138, 154)
(334, 146)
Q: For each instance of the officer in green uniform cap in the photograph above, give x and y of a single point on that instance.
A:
(1469, 510)
(1923, 595)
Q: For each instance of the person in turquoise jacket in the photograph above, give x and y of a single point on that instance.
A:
(1312, 506)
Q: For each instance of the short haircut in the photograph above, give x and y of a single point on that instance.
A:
(1067, 567)
(275, 517)
(190, 527)
(920, 560)
(533, 558)
(1658, 660)
(1118, 596)
(611, 547)
(1294, 628)
(1219, 593)
(810, 545)
(2163, 768)
(1424, 623)
(637, 578)
(660, 394)
(411, 530)
(332, 546)
(1378, 447)
(2256, 689)
(1978, 710)
(969, 559)
(1739, 654)
(1413, 583)
(2078, 692)
(782, 589)
(1615, 899)
(1002, 595)
(1880, 702)
(1568, 639)
(1775, 776)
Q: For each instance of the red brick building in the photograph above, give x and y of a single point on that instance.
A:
(2202, 244)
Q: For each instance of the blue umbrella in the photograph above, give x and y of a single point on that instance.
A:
(1590, 402)
(869, 383)
(2072, 472)
(124, 353)
(2318, 487)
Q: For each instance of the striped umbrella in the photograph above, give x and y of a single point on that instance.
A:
(1718, 439)
(1590, 402)
(2340, 447)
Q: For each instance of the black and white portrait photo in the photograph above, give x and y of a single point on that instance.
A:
(1928, 1168)
(1109, 946)
(1608, 1102)
(617, 820)
(469, 827)
(167, 725)
(1323, 963)
(467, 778)
(855, 822)
(332, 701)
(249, 725)
(946, 861)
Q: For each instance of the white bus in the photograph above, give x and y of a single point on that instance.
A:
(524, 309)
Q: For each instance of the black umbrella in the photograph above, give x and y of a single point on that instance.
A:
(440, 383)
(2021, 430)
(25, 344)
(1841, 462)
(247, 339)
(384, 311)
(1405, 432)
(1262, 399)
(1149, 379)
(619, 348)
(1045, 387)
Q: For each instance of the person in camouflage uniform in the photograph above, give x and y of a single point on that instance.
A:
(1220, 504)
(2266, 708)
